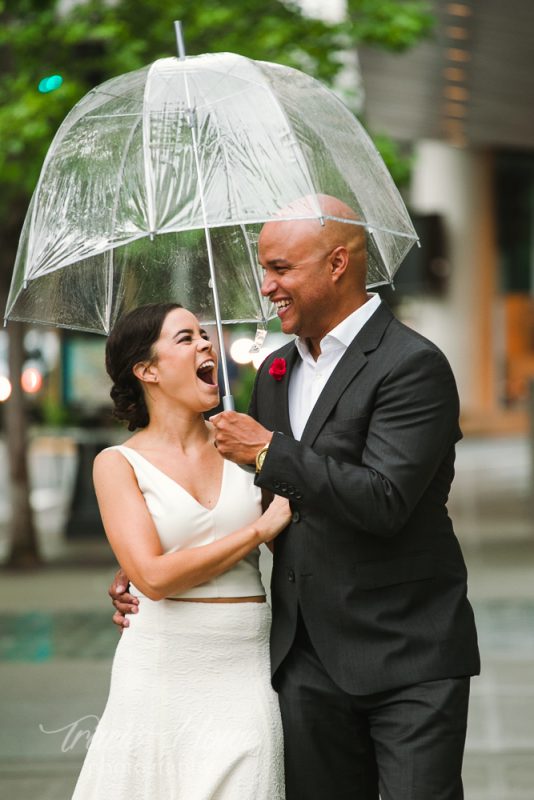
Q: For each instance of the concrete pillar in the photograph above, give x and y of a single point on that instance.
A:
(456, 183)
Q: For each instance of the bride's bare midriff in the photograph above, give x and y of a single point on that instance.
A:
(256, 599)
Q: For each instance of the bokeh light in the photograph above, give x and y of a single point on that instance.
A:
(31, 380)
(5, 388)
(50, 83)
(240, 350)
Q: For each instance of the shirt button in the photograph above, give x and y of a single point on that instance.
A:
(291, 576)
(295, 517)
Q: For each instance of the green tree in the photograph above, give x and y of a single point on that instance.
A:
(391, 24)
(90, 41)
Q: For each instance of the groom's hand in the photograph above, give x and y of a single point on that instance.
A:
(124, 602)
(239, 437)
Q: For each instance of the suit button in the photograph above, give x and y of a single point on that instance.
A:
(291, 576)
(276, 485)
(283, 486)
(295, 517)
(298, 496)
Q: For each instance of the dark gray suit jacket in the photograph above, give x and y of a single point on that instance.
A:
(370, 555)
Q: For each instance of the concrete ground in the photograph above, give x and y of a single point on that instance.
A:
(57, 640)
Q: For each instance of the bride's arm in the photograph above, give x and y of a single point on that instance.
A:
(133, 537)
(266, 500)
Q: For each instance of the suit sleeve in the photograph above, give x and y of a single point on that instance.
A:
(413, 425)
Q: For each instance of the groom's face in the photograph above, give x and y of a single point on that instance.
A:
(297, 274)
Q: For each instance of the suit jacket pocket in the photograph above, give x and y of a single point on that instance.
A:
(346, 426)
(418, 566)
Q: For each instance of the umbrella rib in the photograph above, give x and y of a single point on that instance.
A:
(115, 116)
(147, 163)
(111, 250)
(253, 265)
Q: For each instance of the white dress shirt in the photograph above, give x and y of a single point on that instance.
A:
(309, 377)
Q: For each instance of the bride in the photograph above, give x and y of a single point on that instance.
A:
(191, 714)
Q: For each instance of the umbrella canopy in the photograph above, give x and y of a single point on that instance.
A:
(158, 181)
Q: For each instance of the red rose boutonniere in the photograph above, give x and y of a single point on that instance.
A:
(278, 368)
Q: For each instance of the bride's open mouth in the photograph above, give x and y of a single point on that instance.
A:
(206, 372)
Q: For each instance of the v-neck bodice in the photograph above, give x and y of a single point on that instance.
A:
(163, 474)
(182, 522)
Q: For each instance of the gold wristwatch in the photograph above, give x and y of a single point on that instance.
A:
(260, 457)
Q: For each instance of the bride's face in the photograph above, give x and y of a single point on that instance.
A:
(185, 364)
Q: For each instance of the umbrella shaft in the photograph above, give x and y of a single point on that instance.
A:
(218, 321)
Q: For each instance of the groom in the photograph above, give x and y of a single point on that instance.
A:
(373, 639)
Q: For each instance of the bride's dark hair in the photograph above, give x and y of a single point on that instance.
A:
(131, 341)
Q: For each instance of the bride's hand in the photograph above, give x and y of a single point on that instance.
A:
(274, 519)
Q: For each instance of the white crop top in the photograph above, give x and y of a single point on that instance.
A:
(182, 522)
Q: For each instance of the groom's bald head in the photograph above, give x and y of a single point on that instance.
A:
(315, 262)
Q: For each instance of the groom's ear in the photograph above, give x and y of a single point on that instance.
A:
(146, 371)
(339, 262)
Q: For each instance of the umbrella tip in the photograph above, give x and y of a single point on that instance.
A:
(179, 39)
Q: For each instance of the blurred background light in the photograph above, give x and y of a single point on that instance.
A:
(456, 93)
(31, 380)
(454, 74)
(50, 83)
(459, 10)
(240, 350)
(5, 388)
(456, 54)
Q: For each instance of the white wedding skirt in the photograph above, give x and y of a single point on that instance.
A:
(191, 714)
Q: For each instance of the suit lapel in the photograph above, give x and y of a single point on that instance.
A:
(353, 360)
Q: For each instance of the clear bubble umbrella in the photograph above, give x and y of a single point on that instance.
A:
(157, 183)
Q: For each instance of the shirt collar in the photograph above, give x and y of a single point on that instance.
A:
(343, 334)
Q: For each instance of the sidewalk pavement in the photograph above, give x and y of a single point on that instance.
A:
(57, 641)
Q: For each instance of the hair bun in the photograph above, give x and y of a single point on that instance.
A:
(129, 405)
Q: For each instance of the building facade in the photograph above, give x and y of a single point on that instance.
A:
(462, 103)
